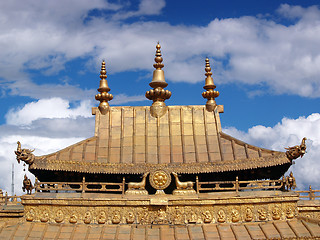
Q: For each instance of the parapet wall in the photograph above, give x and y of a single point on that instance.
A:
(227, 207)
(309, 209)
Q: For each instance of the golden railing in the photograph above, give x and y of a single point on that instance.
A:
(5, 199)
(200, 187)
(80, 187)
(311, 194)
(239, 185)
(120, 187)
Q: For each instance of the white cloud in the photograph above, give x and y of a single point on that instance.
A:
(146, 7)
(25, 87)
(295, 12)
(42, 145)
(58, 108)
(250, 50)
(47, 108)
(151, 7)
(46, 125)
(289, 132)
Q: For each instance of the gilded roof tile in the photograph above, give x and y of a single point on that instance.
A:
(187, 139)
(272, 230)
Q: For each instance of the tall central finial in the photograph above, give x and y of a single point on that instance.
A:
(210, 94)
(103, 96)
(158, 95)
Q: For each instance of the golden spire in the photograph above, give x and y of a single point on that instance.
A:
(158, 95)
(103, 96)
(210, 94)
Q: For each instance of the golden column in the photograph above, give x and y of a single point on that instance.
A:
(210, 94)
(158, 95)
(103, 96)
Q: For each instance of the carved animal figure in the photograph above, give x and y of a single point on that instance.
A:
(290, 182)
(25, 155)
(297, 151)
(27, 185)
(138, 185)
(182, 185)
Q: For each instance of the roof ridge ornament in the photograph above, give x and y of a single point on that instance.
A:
(158, 95)
(210, 94)
(297, 151)
(103, 96)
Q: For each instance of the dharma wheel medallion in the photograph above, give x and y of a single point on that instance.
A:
(160, 179)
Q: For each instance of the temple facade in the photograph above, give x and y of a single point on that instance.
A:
(160, 172)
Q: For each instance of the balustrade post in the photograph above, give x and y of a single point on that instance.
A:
(83, 184)
(311, 193)
(237, 184)
(36, 183)
(123, 185)
(197, 184)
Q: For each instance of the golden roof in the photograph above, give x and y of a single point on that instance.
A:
(183, 139)
(187, 139)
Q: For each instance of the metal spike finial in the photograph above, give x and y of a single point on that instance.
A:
(103, 96)
(210, 94)
(158, 95)
(158, 79)
(158, 59)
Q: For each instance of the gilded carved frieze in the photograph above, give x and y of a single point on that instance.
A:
(171, 214)
(311, 210)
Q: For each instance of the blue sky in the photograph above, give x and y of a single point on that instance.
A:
(265, 57)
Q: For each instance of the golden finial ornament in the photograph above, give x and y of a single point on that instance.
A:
(210, 94)
(158, 95)
(103, 96)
